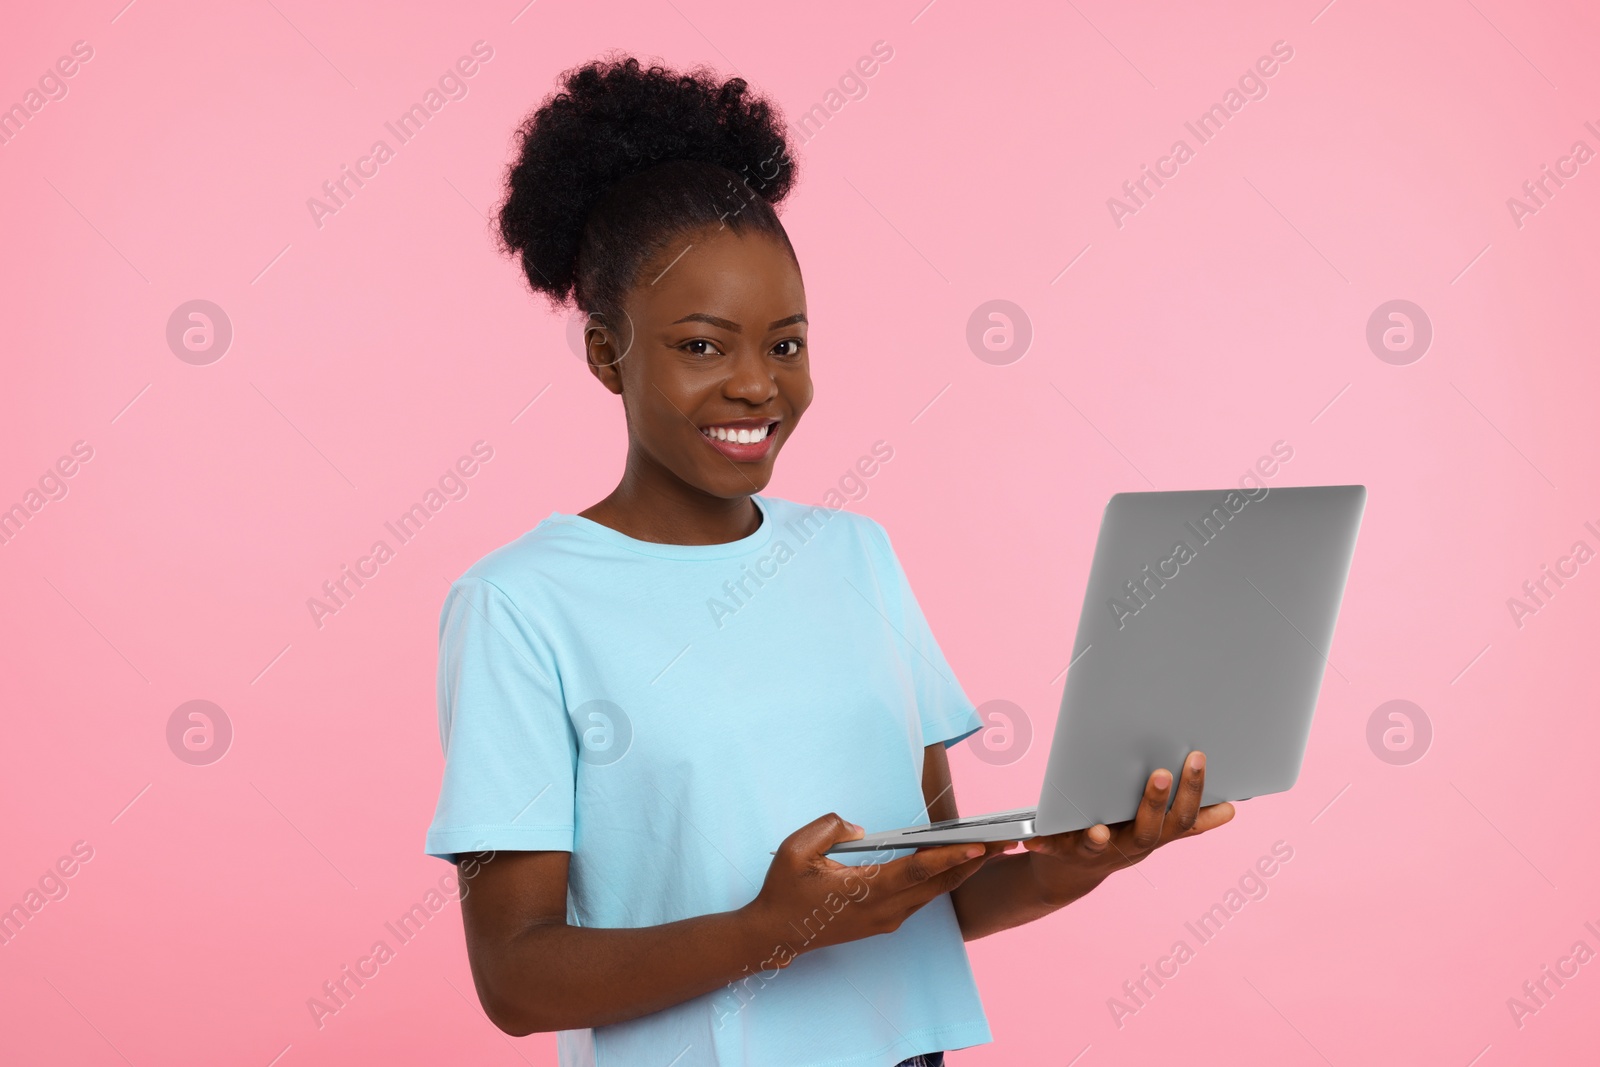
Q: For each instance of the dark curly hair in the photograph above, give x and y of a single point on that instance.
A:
(626, 158)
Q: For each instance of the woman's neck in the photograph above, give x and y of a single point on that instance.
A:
(648, 510)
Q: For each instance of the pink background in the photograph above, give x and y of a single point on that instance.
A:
(368, 354)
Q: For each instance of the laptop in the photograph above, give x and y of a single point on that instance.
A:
(1206, 624)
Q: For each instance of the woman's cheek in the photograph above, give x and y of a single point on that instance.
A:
(803, 397)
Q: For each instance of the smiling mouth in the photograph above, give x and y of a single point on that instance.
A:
(742, 433)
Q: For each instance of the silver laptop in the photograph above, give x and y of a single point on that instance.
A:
(1206, 624)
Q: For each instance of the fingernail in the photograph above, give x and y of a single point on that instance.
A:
(1161, 779)
(1198, 761)
(974, 851)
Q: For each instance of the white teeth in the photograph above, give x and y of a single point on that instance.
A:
(739, 435)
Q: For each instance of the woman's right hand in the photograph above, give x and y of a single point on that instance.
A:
(809, 900)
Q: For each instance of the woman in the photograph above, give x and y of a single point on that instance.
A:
(640, 702)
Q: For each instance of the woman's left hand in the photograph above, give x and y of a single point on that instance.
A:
(1070, 864)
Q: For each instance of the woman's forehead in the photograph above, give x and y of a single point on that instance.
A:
(751, 280)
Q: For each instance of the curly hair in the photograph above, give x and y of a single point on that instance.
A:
(625, 158)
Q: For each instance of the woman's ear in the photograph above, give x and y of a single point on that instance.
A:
(603, 351)
(605, 347)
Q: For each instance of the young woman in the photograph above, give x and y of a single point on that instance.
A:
(640, 702)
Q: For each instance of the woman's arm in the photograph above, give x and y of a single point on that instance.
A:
(535, 973)
(1054, 871)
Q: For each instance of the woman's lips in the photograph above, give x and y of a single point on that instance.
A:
(741, 452)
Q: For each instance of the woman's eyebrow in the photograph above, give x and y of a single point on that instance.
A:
(734, 327)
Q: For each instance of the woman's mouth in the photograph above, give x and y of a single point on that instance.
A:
(743, 440)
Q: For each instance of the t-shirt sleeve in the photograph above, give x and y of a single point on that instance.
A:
(946, 713)
(510, 755)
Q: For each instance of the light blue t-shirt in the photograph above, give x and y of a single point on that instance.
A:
(669, 714)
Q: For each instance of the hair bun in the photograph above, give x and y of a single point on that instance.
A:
(614, 118)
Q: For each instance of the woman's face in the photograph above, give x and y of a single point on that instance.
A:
(718, 374)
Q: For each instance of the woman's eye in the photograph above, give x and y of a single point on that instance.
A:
(795, 351)
(688, 346)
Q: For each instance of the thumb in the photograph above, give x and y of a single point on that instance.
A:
(817, 836)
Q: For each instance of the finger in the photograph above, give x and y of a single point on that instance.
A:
(926, 864)
(808, 843)
(1184, 809)
(993, 849)
(1087, 843)
(915, 896)
(1209, 818)
(1093, 841)
(1152, 811)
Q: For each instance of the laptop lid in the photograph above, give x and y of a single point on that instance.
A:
(1206, 624)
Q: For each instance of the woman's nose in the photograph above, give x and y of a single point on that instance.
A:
(751, 379)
